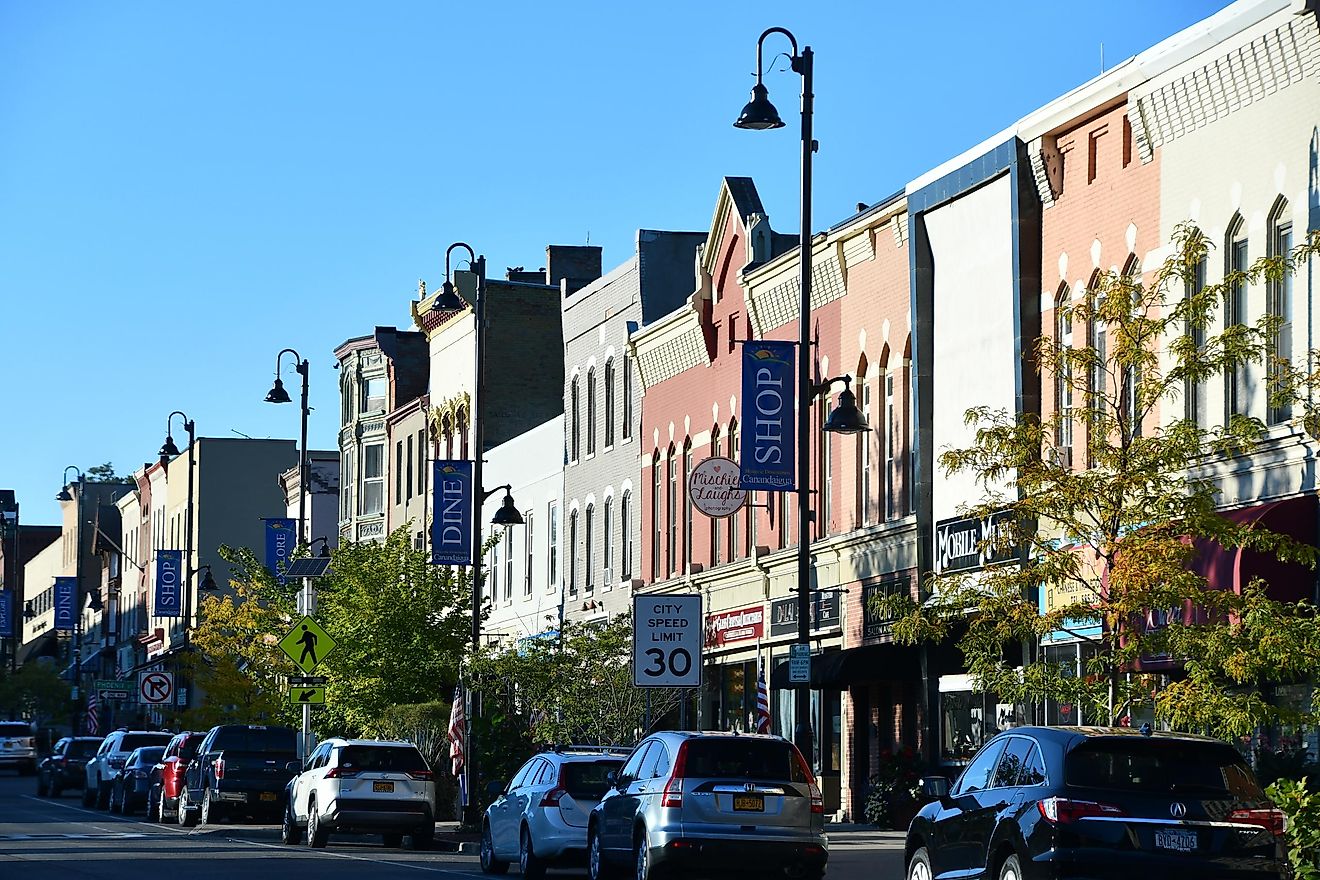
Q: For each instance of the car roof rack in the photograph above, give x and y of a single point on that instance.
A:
(592, 750)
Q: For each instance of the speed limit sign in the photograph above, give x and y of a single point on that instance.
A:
(667, 641)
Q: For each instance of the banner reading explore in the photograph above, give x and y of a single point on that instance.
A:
(451, 522)
(767, 416)
(281, 538)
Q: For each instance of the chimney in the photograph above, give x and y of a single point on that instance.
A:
(572, 267)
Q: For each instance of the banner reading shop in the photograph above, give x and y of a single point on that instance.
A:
(169, 575)
(767, 416)
(281, 539)
(451, 521)
(64, 612)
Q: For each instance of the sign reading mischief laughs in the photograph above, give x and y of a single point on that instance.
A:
(713, 487)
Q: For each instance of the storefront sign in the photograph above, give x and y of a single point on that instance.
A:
(767, 416)
(281, 538)
(713, 487)
(874, 624)
(65, 588)
(971, 543)
(451, 523)
(735, 626)
(169, 573)
(784, 613)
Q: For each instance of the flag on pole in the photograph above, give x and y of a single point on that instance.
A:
(762, 701)
(93, 722)
(458, 741)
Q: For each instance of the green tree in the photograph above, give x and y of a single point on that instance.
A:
(103, 473)
(36, 691)
(1119, 534)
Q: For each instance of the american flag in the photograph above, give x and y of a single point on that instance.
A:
(762, 702)
(93, 723)
(458, 741)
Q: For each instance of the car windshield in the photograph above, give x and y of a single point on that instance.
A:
(256, 739)
(381, 759)
(586, 779)
(83, 748)
(149, 756)
(138, 740)
(1160, 766)
(11, 729)
(742, 759)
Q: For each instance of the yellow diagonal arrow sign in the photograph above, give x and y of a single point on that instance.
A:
(311, 696)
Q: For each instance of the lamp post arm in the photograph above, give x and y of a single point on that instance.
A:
(760, 41)
(472, 255)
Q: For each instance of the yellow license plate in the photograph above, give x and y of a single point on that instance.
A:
(382, 786)
(749, 803)
(268, 795)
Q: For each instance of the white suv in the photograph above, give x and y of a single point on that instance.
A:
(104, 767)
(540, 818)
(361, 786)
(18, 747)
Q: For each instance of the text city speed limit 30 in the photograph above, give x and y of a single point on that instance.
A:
(667, 641)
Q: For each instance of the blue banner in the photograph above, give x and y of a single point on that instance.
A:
(281, 539)
(768, 425)
(169, 579)
(451, 524)
(65, 589)
(6, 614)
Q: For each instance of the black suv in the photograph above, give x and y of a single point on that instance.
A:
(66, 766)
(239, 770)
(1056, 802)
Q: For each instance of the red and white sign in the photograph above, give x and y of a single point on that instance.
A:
(155, 687)
(735, 626)
(713, 487)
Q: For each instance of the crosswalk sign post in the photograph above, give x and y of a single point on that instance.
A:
(307, 644)
(307, 696)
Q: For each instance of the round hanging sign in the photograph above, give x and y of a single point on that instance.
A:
(713, 487)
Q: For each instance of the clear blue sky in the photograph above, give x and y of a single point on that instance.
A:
(186, 188)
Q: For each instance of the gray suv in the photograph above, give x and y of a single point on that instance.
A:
(713, 802)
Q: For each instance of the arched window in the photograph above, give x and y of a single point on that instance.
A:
(716, 552)
(627, 397)
(591, 411)
(591, 548)
(1098, 387)
(1129, 405)
(865, 508)
(575, 428)
(1063, 384)
(572, 552)
(825, 441)
(1196, 408)
(733, 520)
(657, 521)
(607, 553)
(1235, 313)
(687, 504)
(671, 499)
(1280, 305)
(625, 520)
(609, 403)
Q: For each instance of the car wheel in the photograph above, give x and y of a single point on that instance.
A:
(317, 834)
(392, 840)
(127, 804)
(186, 815)
(89, 796)
(532, 866)
(153, 804)
(1011, 869)
(490, 864)
(211, 813)
(642, 850)
(598, 867)
(290, 833)
(919, 867)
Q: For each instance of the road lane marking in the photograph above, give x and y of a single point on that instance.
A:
(124, 835)
(103, 817)
(320, 852)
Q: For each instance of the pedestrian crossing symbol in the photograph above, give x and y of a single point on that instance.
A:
(307, 644)
(307, 696)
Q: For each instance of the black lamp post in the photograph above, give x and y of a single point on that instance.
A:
(76, 645)
(277, 394)
(169, 450)
(759, 114)
(450, 301)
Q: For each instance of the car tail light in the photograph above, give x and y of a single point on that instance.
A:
(817, 799)
(219, 765)
(1269, 819)
(1060, 811)
(673, 793)
(551, 797)
(340, 773)
(420, 774)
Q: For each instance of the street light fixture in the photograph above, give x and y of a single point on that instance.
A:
(759, 114)
(208, 583)
(277, 394)
(845, 418)
(508, 514)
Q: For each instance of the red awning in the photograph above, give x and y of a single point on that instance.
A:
(1234, 568)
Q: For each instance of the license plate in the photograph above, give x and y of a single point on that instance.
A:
(749, 803)
(382, 786)
(1179, 841)
(268, 795)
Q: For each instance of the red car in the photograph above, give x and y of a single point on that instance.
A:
(167, 776)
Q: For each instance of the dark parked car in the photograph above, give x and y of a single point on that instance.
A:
(1056, 802)
(240, 770)
(167, 776)
(129, 790)
(66, 766)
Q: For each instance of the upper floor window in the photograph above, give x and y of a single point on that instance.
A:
(627, 397)
(373, 478)
(591, 548)
(410, 468)
(733, 520)
(609, 403)
(572, 551)
(508, 564)
(1063, 387)
(1280, 305)
(1196, 407)
(528, 544)
(373, 394)
(1236, 392)
(671, 543)
(552, 548)
(1130, 406)
(687, 507)
(865, 498)
(716, 551)
(625, 518)
(591, 411)
(494, 573)
(575, 420)
(607, 555)
(657, 523)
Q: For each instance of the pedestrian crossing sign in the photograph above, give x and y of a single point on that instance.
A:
(307, 696)
(307, 644)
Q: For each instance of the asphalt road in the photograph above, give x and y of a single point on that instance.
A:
(45, 839)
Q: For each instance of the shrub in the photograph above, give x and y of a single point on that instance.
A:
(895, 789)
(1302, 828)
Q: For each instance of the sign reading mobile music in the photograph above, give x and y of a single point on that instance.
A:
(768, 393)
(451, 522)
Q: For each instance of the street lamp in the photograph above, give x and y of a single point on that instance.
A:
(76, 644)
(277, 394)
(759, 114)
(169, 450)
(845, 418)
(208, 584)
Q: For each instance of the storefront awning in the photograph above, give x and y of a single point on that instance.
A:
(838, 669)
(1234, 568)
(44, 645)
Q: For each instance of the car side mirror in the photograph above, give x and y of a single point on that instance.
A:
(935, 787)
(294, 767)
(494, 789)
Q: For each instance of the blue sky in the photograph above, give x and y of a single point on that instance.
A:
(186, 188)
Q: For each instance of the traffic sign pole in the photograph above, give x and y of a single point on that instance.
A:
(305, 741)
